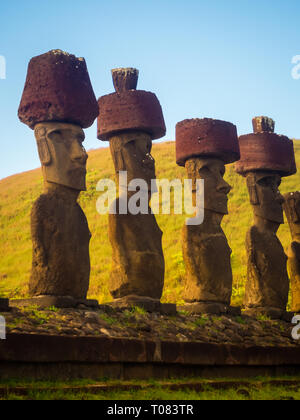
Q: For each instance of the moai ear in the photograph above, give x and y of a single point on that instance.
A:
(117, 155)
(251, 184)
(43, 149)
(119, 161)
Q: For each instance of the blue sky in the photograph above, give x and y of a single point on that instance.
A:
(229, 60)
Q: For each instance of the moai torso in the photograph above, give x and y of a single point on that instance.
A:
(60, 239)
(207, 258)
(267, 279)
(294, 272)
(292, 211)
(138, 260)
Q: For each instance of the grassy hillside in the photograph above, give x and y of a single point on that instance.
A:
(17, 194)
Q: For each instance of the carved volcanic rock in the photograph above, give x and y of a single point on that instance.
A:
(58, 88)
(263, 124)
(130, 110)
(266, 152)
(60, 237)
(206, 138)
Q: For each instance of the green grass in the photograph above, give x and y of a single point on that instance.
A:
(18, 193)
(153, 390)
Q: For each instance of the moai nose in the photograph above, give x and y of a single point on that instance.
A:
(224, 187)
(78, 153)
(263, 125)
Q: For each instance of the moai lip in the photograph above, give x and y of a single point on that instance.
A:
(128, 109)
(206, 138)
(58, 88)
(125, 79)
(263, 124)
(264, 150)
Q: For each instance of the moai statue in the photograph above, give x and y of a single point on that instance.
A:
(265, 158)
(130, 119)
(292, 211)
(204, 147)
(58, 102)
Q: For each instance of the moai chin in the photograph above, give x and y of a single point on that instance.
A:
(204, 147)
(130, 119)
(58, 102)
(265, 158)
(292, 211)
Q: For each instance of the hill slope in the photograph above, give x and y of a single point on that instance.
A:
(17, 194)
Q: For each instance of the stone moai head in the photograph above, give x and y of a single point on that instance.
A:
(266, 157)
(62, 154)
(204, 147)
(217, 189)
(131, 152)
(292, 211)
(57, 103)
(130, 119)
(265, 197)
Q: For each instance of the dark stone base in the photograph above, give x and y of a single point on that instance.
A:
(146, 303)
(210, 308)
(272, 313)
(4, 305)
(57, 301)
(51, 357)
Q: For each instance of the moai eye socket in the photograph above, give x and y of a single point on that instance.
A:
(204, 172)
(266, 182)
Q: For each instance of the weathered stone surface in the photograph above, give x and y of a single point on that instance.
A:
(60, 236)
(204, 308)
(138, 261)
(266, 152)
(265, 198)
(128, 322)
(136, 239)
(206, 252)
(263, 124)
(134, 110)
(206, 255)
(130, 110)
(207, 138)
(62, 154)
(125, 79)
(55, 301)
(265, 158)
(146, 303)
(292, 211)
(58, 88)
(267, 283)
(210, 308)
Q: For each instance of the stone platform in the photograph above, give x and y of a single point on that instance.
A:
(210, 308)
(58, 357)
(146, 303)
(55, 301)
